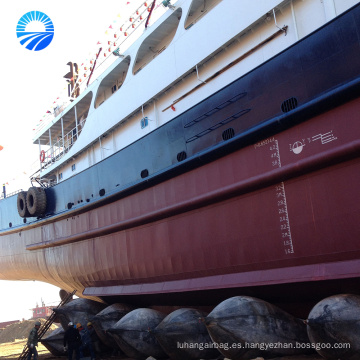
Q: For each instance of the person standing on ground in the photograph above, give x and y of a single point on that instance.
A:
(72, 341)
(94, 338)
(85, 341)
(33, 341)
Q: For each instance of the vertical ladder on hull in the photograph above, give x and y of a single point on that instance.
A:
(47, 325)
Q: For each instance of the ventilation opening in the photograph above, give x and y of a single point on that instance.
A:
(181, 156)
(102, 192)
(144, 173)
(289, 104)
(228, 134)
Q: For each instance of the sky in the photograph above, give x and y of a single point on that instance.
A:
(19, 297)
(31, 83)
(33, 80)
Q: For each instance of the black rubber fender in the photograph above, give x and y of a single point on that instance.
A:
(36, 201)
(21, 204)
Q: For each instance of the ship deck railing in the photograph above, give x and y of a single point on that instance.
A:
(63, 144)
(2, 196)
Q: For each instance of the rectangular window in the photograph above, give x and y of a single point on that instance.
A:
(73, 167)
(60, 176)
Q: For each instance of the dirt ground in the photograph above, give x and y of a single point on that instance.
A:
(13, 339)
(11, 351)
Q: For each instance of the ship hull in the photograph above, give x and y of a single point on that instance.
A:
(265, 214)
(266, 202)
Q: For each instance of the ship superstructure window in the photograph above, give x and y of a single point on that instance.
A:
(198, 9)
(112, 82)
(157, 41)
(60, 176)
(73, 167)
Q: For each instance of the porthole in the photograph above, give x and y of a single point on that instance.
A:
(144, 173)
(181, 156)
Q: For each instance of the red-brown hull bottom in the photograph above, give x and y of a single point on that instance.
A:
(276, 215)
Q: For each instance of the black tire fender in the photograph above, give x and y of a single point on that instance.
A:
(36, 201)
(21, 204)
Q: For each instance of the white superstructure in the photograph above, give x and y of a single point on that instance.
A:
(154, 80)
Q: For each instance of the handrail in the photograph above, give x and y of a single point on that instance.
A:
(62, 146)
(10, 194)
(228, 66)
